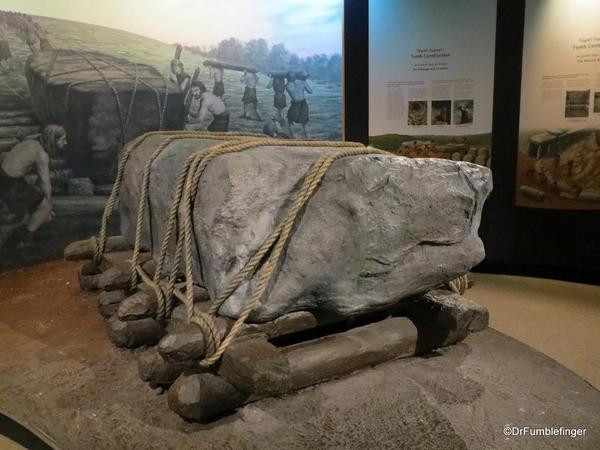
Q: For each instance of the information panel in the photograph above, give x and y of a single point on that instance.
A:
(559, 154)
(431, 77)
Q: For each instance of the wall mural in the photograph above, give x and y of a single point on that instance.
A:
(431, 77)
(558, 163)
(79, 81)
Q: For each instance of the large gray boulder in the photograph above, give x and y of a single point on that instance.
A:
(378, 229)
(90, 94)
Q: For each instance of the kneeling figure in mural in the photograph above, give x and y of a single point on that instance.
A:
(30, 204)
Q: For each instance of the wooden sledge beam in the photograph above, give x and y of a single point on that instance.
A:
(253, 368)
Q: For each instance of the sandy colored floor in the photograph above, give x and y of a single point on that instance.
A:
(558, 318)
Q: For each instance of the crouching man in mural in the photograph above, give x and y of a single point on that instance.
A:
(31, 205)
(298, 111)
(205, 103)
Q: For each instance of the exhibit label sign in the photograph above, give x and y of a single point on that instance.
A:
(431, 77)
(558, 164)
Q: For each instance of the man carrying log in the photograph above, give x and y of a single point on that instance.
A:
(210, 103)
(298, 112)
(249, 98)
(277, 82)
(219, 87)
(180, 77)
(31, 205)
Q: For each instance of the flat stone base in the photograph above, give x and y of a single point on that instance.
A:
(61, 377)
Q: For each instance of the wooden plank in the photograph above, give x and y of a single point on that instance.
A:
(16, 121)
(8, 143)
(18, 131)
(16, 113)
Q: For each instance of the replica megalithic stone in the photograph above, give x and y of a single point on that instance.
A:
(377, 230)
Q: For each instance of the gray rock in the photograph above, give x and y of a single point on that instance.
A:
(81, 186)
(378, 229)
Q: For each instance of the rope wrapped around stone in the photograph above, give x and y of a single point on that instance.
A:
(275, 243)
(100, 241)
(184, 195)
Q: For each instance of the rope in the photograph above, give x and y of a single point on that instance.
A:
(183, 200)
(279, 237)
(459, 285)
(100, 241)
(191, 173)
(143, 200)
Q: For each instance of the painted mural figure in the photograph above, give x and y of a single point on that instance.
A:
(32, 205)
(219, 87)
(180, 77)
(298, 112)
(209, 104)
(249, 98)
(277, 83)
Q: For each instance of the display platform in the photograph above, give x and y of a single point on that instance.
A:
(61, 377)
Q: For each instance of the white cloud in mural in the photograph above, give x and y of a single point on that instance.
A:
(305, 27)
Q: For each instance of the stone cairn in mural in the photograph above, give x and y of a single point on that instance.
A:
(102, 102)
(253, 267)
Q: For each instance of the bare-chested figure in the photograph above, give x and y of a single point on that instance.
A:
(249, 98)
(209, 104)
(298, 112)
(30, 204)
(217, 74)
(277, 83)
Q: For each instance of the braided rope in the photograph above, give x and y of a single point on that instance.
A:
(312, 180)
(143, 200)
(100, 241)
(459, 285)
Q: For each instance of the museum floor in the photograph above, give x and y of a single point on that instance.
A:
(558, 318)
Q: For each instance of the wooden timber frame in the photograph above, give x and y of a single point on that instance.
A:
(294, 351)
